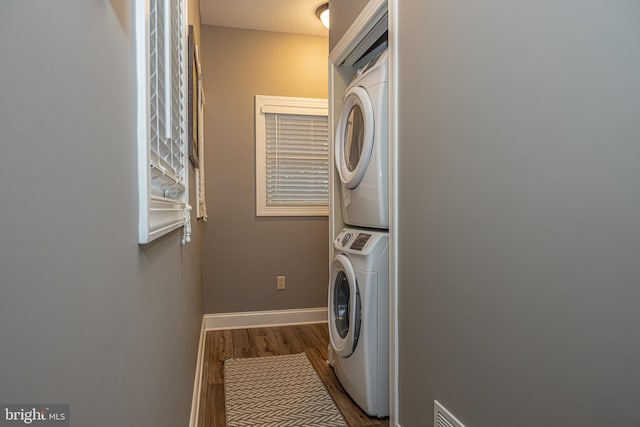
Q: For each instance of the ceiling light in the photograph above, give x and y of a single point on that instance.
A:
(323, 15)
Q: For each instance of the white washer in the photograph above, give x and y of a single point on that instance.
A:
(362, 146)
(359, 317)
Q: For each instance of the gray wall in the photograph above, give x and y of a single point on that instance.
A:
(87, 317)
(244, 253)
(343, 13)
(519, 212)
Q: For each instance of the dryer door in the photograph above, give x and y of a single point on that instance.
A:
(344, 307)
(354, 137)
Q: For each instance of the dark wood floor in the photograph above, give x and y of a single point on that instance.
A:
(310, 339)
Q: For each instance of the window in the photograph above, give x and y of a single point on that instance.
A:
(161, 115)
(292, 156)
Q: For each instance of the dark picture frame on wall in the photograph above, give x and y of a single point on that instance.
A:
(194, 102)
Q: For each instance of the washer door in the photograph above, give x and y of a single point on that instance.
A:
(344, 307)
(354, 137)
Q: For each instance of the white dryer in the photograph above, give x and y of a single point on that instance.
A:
(359, 317)
(362, 146)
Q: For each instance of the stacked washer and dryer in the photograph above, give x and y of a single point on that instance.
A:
(359, 281)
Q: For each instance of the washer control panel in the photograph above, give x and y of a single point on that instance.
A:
(348, 237)
(361, 241)
(352, 239)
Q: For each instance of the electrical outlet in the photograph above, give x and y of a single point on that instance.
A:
(280, 283)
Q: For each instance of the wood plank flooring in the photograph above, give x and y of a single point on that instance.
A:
(311, 339)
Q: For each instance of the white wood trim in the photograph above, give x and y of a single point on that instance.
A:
(333, 194)
(257, 319)
(142, 114)
(354, 42)
(155, 217)
(364, 23)
(285, 105)
(393, 212)
(197, 382)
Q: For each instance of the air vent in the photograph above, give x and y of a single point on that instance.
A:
(444, 418)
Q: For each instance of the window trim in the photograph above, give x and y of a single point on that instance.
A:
(157, 216)
(282, 105)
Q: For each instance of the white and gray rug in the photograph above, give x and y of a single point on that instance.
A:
(277, 391)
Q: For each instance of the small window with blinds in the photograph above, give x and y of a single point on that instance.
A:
(162, 141)
(292, 156)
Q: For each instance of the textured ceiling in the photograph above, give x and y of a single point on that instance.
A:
(282, 16)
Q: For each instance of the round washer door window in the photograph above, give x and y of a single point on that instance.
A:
(344, 307)
(341, 304)
(354, 137)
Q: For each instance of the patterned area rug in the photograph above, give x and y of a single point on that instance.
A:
(277, 391)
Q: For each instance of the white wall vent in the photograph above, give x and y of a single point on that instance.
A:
(444, 418)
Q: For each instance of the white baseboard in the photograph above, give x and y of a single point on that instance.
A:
(257, 319)
(195, 403)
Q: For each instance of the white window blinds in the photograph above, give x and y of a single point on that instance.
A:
(292, 152)
(166, 100)
(297, 159)
(162, 158)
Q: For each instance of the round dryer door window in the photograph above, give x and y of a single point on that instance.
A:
(344, 307)
(354, 137)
